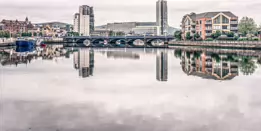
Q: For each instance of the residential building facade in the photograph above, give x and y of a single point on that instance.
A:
(15, 26)
(162, 16)
(2, 26)
(76, 22)
(207, 23)
(84, 20)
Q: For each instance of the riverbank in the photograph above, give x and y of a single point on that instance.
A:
(220, 44)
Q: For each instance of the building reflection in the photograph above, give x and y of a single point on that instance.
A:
(122, 55)
(16, 56)
(209, 65)
(84, 62)
(162, 66)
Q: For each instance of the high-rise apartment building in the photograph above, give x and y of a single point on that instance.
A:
(76, 22)
(207, 23)
(84, 20)
(162, 16)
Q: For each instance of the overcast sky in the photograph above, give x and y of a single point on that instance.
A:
(122, 10)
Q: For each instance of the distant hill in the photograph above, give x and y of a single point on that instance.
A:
(53, 23)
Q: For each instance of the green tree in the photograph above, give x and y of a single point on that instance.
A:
(1, 34)
(40, 34)
(247, 26)
(247, 66)
(111, 33)
(177, 35)
(259, 61)
(35, 34)
(120, 33)
(188, 36)
(178, 53)
(216, 34)
(30, 34)
(230, 34)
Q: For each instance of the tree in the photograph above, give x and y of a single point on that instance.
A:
(178, 53)
(35, 34)
(247, 26)
(196, 36)
(177, 35)
(216, 34)
(230, 34)
(188, 36)
(247, 66)
(120, 33)
(40, 34)
(111, 33)
(29, 34)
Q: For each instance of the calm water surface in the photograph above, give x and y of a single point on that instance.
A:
(129, 90)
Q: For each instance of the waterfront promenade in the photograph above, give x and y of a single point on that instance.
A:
(224, 44)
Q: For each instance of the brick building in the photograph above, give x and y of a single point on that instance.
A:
(15, 26)
(207, 23)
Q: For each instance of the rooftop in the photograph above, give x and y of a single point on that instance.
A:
(195, 16)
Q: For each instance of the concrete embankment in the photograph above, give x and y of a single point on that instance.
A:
(220, 44)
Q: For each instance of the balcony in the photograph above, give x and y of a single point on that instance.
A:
(208, 22)
(233, 28)
(208, 29)
(208, 34)
(193, 24)
(233, 22)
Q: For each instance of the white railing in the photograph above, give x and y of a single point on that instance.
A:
(233, 22)
(233, 28)
(208, 22)
(208, 28)
(208, 34)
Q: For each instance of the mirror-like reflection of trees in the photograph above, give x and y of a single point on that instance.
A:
(210, 65)
(247, 65)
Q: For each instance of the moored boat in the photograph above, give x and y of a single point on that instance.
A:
(25, 43)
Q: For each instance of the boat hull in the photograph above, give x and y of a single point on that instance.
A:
(24, 43)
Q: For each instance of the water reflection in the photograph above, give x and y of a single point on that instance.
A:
(204, 64)
(162, 66)
(209, 65)
(84, 62)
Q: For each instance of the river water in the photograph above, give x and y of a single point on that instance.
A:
(81, 89)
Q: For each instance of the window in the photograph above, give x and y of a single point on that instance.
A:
(225, 20)
(200, 22)
(216, 27)
(224, 27)
(217, 20)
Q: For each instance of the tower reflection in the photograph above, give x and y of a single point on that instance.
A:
(84, 62)
(162, 66)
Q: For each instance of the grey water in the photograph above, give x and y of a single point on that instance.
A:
(84, 89)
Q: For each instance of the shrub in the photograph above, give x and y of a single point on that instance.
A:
(243, 39)
(209, 39)
(224, 37)
(255, 39)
